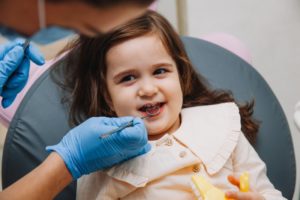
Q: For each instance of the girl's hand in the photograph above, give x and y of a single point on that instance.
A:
(241, 195)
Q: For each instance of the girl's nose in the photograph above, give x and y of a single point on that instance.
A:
(147, 89)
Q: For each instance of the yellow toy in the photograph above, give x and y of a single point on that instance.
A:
(244, 182)
(207, 191)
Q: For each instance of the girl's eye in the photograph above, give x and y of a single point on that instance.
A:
(127, 78)
(160, 71)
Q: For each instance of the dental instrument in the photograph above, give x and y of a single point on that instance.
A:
(130, 123)
(26, 44)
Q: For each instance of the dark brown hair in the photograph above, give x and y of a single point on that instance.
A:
(86, 72)
(108, 3)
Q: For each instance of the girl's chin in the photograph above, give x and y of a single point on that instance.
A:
(155, 136)
(155, 132)
(156, 126)
(152, 132)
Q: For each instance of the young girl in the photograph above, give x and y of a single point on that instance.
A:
(141, 68)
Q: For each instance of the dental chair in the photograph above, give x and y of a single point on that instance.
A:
(42, 119)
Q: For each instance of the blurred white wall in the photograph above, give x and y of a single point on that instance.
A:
(271, 31)
(168, 8)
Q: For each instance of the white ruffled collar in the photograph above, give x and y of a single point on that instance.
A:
(209, 132)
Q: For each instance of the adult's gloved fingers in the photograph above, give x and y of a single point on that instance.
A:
(4, 49)
(137, 121)
(11, 61)
(116, 121)
(35, 55)
(145, 149)
(106, 129)
(137, 152)
(84, 139)
(32, 51)
(135, 135)
(8, 46)
(19, 78)
(6, 102)
(16, 81)
(11, 92)
(97, 127)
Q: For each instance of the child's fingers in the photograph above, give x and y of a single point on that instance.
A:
(234, 181)
(243, 195)
(237, 195)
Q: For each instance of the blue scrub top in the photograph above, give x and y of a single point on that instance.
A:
(43, 37)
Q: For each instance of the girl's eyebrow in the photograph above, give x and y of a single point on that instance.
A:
(163, 64)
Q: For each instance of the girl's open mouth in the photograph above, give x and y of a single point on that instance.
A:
(151, 109)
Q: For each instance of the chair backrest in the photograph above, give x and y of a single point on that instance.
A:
(42, 119)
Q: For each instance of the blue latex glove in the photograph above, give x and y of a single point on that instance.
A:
(14, 68)
(84, 152)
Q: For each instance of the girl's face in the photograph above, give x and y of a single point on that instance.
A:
(141, 76)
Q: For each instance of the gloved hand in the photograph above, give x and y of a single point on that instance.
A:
(84, 152)
(14, 68)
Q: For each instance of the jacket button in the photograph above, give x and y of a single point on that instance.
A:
(169, 142)
(182, 154)
(196, 168)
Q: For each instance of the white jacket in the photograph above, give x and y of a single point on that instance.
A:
(208, 142)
